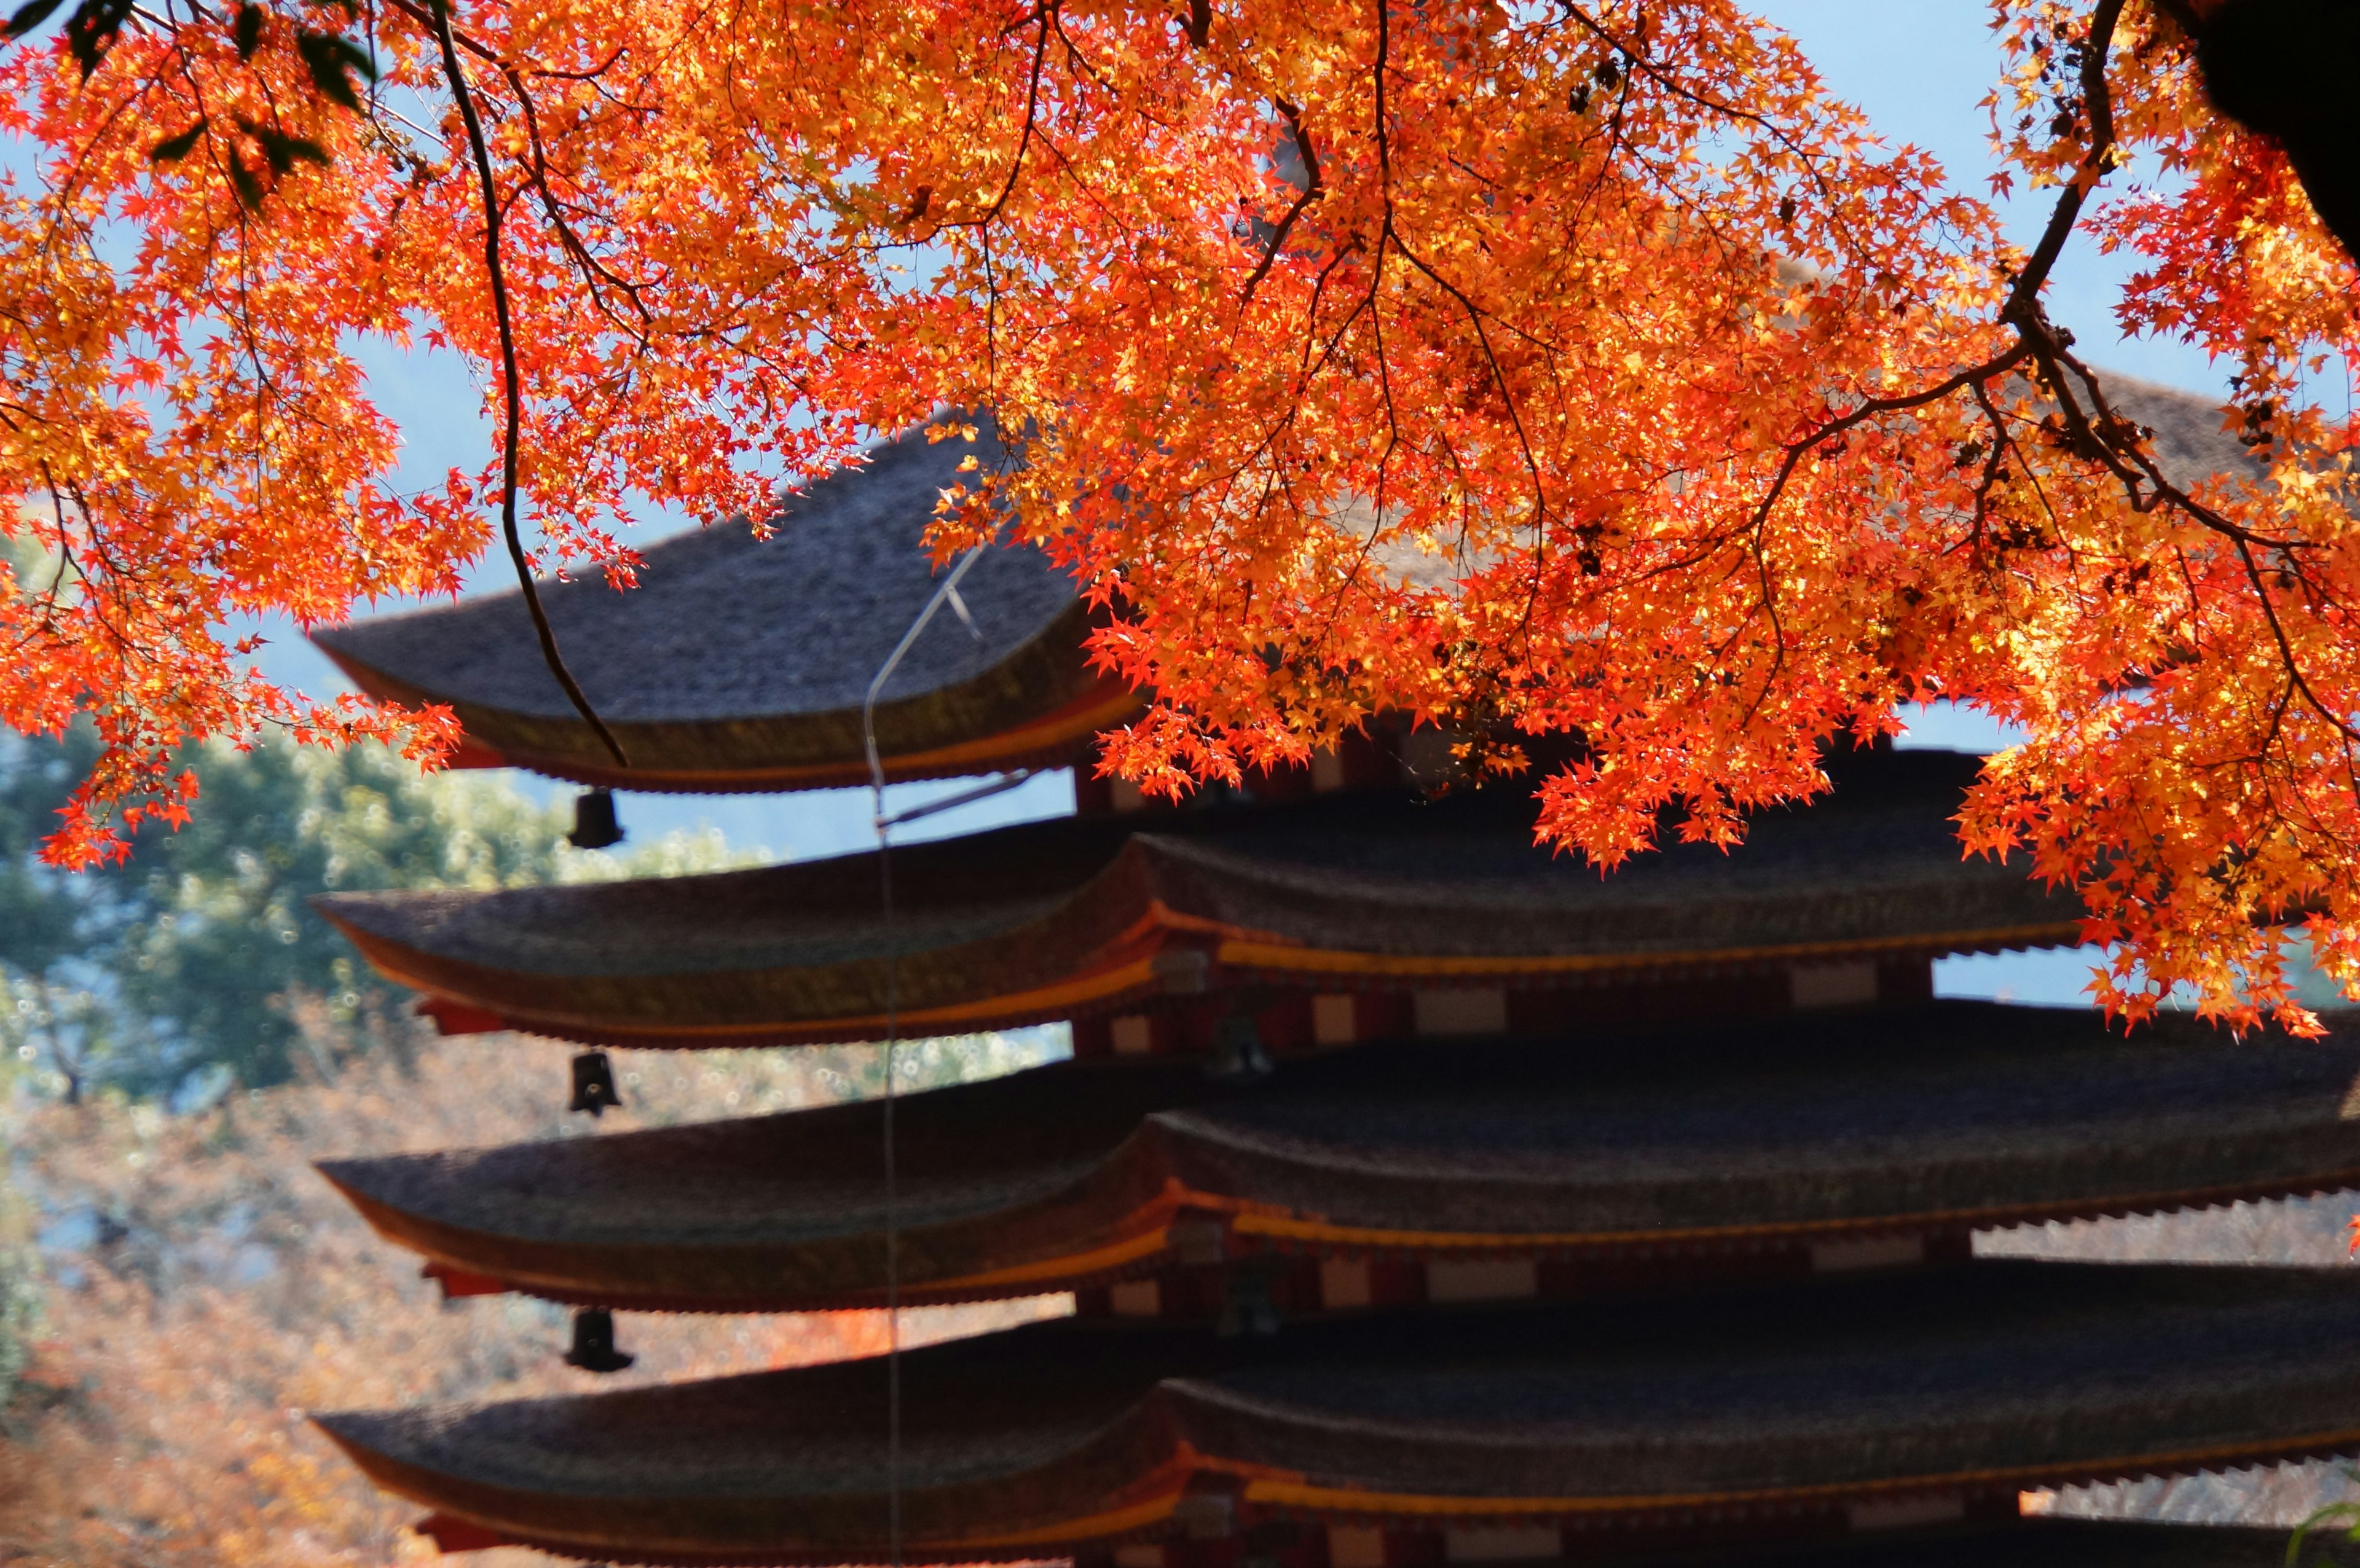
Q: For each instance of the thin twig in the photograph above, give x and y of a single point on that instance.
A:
(1312, 191)
(1031, 116)
(2024, 297)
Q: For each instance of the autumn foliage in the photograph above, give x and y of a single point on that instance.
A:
(1530, 367)
(205, 1289)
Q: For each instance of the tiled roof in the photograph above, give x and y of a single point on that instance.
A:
(740, 663)
(1067, 918)
(2025, 1543)
(1914, 1121)
(1964, 1382)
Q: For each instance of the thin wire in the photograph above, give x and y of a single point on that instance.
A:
(947, 591)
(1000, 784)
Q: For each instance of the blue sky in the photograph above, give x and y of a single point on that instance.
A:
(1919, 68)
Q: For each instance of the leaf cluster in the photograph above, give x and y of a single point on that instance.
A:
(1582, 370)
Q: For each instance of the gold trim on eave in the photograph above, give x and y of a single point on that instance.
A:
(1246, 954)
(1259, 953)
(1352, 1500)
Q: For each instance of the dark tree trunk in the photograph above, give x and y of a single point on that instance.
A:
(2290, 70)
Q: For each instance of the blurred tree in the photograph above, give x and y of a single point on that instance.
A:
(218, 937)
(18, 1280)
(54, 926)
(205, 1287)
(174, 972)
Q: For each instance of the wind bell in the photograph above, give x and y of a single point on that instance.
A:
(595, 826)
(593, 1085)
(1238, 1053)
(594, 1343)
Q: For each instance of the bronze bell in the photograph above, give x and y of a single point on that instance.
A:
(596, 825)
(593, 1085)
(594, 1343)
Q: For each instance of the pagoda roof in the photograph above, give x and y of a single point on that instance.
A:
(1837, 1394)
(1086, 915)
(740, 663)
(2030, 1541)
(1939, 1118)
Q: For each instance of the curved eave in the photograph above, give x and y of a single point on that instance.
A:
(1151, 1519)
(477, 993)
(483, 1264)
(2035, 1542)
(474, 1263)
(1803, 1400)
(1640, 1150)
(481, 998)
(764, 755)
(1082, 916)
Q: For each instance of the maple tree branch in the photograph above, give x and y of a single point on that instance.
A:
(1031, 116)
(2110, 441)
(593, 270)
(1995, 465)
(1498, 379)
(436, 21)
(592, 75)
(512, 387)
(1377, 259)
(1080, 63)
(1640, 64)
(2103, 442)
(2097, 162)
(2243, 540)
(1312, 191)
(1867, 409)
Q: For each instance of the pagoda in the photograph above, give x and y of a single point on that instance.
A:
(1423, 1198)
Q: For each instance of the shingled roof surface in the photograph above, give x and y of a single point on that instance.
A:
(742, 663)
(1052, 920)
(2188, 437)
(1980, 1378)
(1939, 1117)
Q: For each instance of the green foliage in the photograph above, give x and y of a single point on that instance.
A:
(178, 968)
(43, 920)
(219, 928)
(2317, 1538)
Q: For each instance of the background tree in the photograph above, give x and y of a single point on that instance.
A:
(19, 1287)
(54, 926)
(205, 1287)
(182, 967)
(1574, 367)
